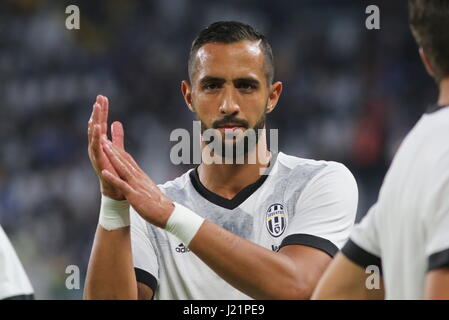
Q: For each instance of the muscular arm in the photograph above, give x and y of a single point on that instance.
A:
(291, 273)
(110, 274)
(345, 280)
(437, 284)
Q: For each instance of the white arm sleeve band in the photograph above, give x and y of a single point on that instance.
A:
(183, 223)
(114, 214)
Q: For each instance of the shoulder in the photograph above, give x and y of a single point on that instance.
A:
(311, 170)
(176, 185)
(316, 181)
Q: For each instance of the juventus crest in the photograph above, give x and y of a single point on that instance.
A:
(275, 219)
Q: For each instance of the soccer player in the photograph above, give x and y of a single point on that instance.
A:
(219, 231)
(405, 235)
(14, 283)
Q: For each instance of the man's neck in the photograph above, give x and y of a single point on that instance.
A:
(443, 99)
(227, 180)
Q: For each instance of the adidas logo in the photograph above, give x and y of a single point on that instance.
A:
(181, 248)
(274, 247)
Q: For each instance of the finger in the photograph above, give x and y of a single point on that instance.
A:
(104, 115)
(90, 124)
(138, 176)
(118, 135)
(95, 117)
(127, 158)
(120, 165)
(96, 114)
(113, 180)
(95, 145)
(89, 129)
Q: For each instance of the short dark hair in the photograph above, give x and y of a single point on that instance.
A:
(230, 32)
(429, 22)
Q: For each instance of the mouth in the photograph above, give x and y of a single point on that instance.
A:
(230, 126)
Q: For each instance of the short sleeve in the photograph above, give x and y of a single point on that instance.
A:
(325, 211)
(363, 247)
(437, 226)
(14, 283)
(144, 255)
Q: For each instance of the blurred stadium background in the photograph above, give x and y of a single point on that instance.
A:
(350, 95)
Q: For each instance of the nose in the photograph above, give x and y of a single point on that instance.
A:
(229, 106)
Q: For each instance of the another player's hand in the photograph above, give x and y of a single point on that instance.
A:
(140, 191)
(98, 128)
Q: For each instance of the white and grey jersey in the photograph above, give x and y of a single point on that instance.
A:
(406, 233)
(301, 202)
(14, 283)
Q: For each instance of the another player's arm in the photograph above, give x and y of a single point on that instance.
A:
(345, 280)
(110, 273)
(437, 284)
(291, 273)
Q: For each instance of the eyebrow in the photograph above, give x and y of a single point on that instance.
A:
(209, 79)
(247, 80)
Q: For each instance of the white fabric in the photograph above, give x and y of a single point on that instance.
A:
(319, 198)
(183, 223)
(114, 214)
(13, 279)
(327, 206)
(410, 220)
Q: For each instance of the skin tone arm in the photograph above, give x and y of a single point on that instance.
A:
(345, 280)
(110, 273)
(291, 273)
(437, 284)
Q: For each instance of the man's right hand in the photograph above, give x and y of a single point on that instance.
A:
(97, 128)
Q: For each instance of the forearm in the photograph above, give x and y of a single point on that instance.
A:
(110, 273)
(254, 270)
(345, 280)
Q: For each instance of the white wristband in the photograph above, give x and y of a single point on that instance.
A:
(183, 223)
(114, 214)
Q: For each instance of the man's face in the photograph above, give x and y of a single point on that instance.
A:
(229, 88)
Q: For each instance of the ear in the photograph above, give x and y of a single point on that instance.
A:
(273, 98)
(186, 90)
(426, 62)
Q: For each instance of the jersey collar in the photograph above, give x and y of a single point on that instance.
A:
(434, 108)
(238, 199)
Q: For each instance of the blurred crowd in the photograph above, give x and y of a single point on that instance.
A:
(350, 95)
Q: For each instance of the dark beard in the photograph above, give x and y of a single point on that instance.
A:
(238, 151)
